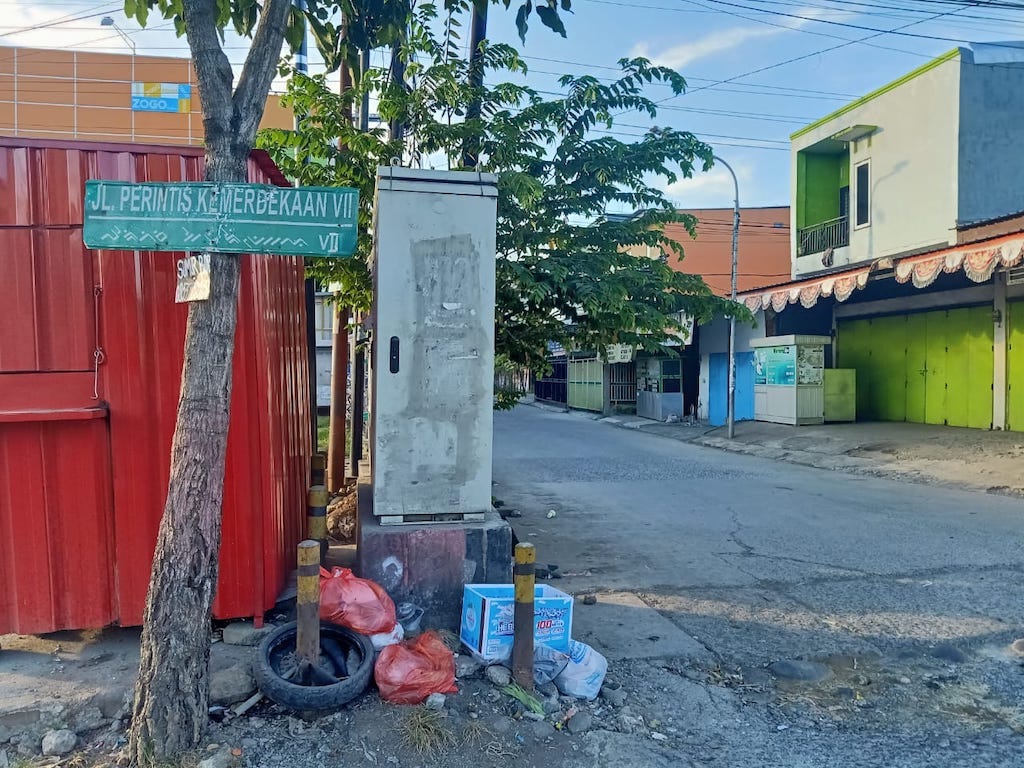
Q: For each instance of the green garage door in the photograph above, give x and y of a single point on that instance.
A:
(1015, 366)
(586, 384)
(930, 367)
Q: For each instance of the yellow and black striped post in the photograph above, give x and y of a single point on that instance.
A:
(316, 504)
(307, 603)
(523, 575)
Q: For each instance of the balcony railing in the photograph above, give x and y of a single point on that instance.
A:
(819, 238)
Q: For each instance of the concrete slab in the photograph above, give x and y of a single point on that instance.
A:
(428, 564)
(622, 626)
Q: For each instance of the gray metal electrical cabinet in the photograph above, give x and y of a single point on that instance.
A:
(432, 393)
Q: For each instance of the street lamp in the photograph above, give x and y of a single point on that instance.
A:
(107, 21)
(731, 429)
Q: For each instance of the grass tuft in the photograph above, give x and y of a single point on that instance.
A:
(425, 731)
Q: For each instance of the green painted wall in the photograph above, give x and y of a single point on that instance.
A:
(819, 178)
(930, 367)
(1015, 366)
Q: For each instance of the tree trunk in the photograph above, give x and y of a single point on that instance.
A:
(169, 715)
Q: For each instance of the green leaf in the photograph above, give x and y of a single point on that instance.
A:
(521, 16)
(549, 17)
(130, 8)
(295, 31)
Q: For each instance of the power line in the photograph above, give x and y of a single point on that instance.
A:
(795, 59)
(897, 31)
(62, 20)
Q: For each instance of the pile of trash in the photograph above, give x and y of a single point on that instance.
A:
(363, 632)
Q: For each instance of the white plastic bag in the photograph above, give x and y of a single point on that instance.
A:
(584, 674)
(547, 664)
(383, 639)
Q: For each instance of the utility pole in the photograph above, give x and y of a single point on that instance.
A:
(358, 354)
(731, 429)
(477, 35)
(338, 418)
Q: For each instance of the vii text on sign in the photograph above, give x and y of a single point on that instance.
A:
(230, 218)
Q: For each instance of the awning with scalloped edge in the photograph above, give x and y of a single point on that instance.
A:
(977, 260)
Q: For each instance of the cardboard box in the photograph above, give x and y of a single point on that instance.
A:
(487, 619)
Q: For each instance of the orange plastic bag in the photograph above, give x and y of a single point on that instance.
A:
(407, 673)
(359, 604)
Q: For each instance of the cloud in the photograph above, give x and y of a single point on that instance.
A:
(678, 56)
(713, 189)
(720, 41)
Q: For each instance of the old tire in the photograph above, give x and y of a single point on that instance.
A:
(276, 653)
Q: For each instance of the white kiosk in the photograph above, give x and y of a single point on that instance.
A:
(789, 379)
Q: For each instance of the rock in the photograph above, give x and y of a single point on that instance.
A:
(498, 675)
(548, 690)
(435, 701)
(551, 705)
(801, 671)
(244, 633)
(232, 684)
(88, 719)
(659, 736)
(535, 716)
(466, 666)
(950, 653)
(4, 760)
(613, 694)
(590, 599)
(500, 724)
(580, 723)
(59, 743)
(219, 759)
(542, 730)
(1017, 646)
(904, 681)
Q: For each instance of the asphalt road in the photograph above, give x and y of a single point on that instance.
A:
(909, 594)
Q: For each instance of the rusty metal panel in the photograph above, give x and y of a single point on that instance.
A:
(141, 332)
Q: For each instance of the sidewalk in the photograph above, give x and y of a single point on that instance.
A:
(967, 458)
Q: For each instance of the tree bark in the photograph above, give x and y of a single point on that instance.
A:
(169, 714)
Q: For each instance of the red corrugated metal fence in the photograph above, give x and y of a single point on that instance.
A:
(84, 448)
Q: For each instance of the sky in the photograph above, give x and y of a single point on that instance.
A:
(756, 70)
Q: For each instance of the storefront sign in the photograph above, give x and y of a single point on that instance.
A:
(161, 97)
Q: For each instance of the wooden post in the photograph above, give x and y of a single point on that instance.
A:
(316, 520)
(522, 637)
(307, 604)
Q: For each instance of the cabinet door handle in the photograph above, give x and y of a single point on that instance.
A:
(393, 355)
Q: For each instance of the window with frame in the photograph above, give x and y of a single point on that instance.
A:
(862, 179)
(324, 321)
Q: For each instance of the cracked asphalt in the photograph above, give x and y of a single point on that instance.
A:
(908, 594)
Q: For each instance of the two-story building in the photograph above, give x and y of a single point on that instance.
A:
(907, 236)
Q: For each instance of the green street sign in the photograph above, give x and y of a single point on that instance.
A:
(230, 218)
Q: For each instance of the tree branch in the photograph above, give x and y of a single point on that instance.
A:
(213, 70)
(258, 71)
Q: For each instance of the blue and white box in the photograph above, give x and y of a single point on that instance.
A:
(487, 619)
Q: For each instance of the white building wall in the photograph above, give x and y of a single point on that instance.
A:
(913, 168)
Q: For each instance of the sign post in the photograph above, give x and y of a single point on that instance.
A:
(229, 218)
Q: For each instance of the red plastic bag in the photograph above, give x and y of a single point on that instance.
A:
(407, 673)
(359, 604)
